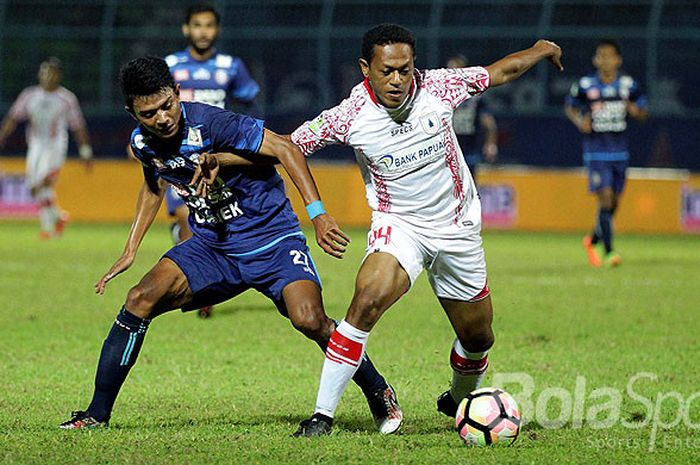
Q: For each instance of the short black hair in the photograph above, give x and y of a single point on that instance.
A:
(384, 34)
(610, 43)
(144, 76)
(201, 8)
(54, 63)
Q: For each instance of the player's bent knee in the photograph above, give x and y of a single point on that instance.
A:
(310, 320)
(139, 302)
(477, 341)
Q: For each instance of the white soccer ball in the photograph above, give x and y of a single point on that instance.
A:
(488, 416)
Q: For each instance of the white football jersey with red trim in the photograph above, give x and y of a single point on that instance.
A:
(412, 168)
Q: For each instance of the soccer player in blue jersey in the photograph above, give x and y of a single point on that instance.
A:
(599, 105)
(468, 119)
(245, 234)
(205, 75)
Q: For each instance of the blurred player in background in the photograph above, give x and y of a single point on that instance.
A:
(246, 235)
(471, 116)
(50, 110)
(426, 212)
(206, 76)
(598, 106)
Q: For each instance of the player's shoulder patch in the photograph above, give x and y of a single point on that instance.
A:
(626, 81)
(586, 82)
(223, 61)
(138, 141)
(171, 60)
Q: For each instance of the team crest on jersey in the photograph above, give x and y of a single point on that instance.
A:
(221, 77)
(201, 74)
(181, 75)
(593, 93)
(194, 137)
(430, 123)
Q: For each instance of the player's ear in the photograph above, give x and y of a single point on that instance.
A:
(176, 89)
(364, 66)
(130, 110)
(186, 30)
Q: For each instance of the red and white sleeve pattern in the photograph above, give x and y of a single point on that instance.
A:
(74, 115)
(332, 126)
(454, 86)
(18, 111)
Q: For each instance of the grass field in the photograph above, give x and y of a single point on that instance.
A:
(231, 389)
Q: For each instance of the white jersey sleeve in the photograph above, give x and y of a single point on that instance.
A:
(332, 126)
(453, 86)
(18, 111)
(74, 115)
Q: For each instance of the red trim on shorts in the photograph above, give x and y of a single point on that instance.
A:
(485, 292)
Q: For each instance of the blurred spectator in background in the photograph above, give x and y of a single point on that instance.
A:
(206, 76)
(471, 116)
(50, 110)
(598, 106)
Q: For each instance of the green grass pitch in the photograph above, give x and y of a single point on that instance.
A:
(231, 389)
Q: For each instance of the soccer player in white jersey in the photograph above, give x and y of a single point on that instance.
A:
(426, 212)
(50, 110)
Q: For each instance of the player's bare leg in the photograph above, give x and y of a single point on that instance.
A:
(162, 289)
(380, 282)
(304, 307)
(468, 358)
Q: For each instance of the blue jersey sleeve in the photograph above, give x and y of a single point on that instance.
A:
(637, 96)
(576, 97)
(233, 132)
(243, 87)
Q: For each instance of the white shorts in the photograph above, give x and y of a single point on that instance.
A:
(43, 160)
(456, 266)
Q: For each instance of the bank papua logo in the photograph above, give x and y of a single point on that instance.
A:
(386, 161)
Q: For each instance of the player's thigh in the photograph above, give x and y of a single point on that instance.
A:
(471, 321)
(162, 289)
(212, 276)
(380, 282)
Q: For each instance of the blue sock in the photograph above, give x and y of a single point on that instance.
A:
(605, 228)
(367, 377)
(119, 353)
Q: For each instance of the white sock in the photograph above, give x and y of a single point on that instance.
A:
(47, 211)
(343, 357)
(468, 370)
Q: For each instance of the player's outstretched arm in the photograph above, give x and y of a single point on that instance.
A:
(511, 67)
(147, 207)
(8, 127)
(329, 236)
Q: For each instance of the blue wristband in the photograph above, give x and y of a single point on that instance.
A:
(314, 209)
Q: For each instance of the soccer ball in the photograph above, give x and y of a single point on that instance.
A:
(488, 416)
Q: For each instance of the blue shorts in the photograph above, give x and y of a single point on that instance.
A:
(173, 200)
(215, 277)
(602, 174)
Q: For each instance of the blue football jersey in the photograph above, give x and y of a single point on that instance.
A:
(216, 81)
(247, 207)
(606, 104)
